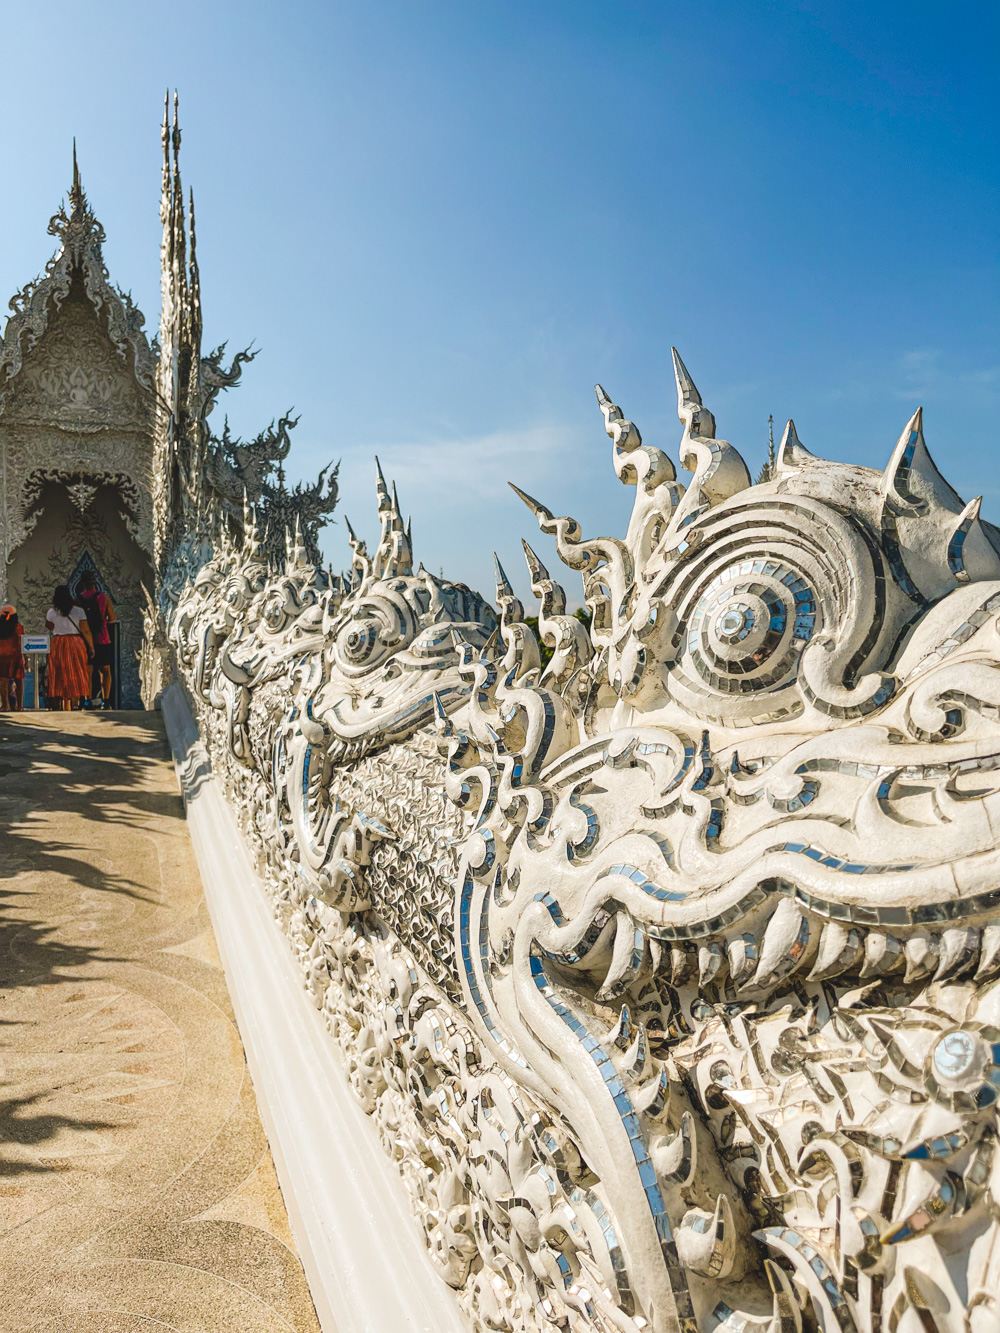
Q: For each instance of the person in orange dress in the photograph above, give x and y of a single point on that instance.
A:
(70, 652)
(11, 660)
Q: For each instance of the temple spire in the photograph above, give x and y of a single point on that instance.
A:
(75, 223)
(770, 469)
(194, 281)
(76, 195)
(180, 239)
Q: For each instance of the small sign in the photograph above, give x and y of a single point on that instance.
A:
(35, 643)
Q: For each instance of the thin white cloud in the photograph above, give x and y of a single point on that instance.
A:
(924, 375)
(456, 491)
(454, 473)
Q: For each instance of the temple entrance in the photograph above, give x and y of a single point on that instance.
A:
(81, 526)
(77, 410)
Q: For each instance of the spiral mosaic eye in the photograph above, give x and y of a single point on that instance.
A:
(359, 642)
(762, 580)
(749, 624)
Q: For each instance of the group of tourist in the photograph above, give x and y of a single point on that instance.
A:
(80, 650)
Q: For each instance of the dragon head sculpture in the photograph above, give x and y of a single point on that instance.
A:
(213, 600)
(390, 647)
(726, 844)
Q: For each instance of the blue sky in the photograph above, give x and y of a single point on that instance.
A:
(443, 222)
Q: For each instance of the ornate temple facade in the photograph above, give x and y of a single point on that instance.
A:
(77, 427)
(106, 456)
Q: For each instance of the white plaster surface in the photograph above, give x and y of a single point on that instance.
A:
(367, 1266)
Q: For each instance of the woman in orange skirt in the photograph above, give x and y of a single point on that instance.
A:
(70, 652)
(11, 661)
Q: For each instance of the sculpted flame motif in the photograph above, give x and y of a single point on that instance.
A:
(682, 1011)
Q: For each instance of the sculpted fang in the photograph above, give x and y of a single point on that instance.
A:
(666, 970)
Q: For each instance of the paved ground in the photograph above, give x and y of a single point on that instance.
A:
(137, 1192)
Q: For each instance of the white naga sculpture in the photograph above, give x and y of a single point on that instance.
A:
(666, 969)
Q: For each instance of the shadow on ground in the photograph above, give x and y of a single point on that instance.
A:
(52, 778)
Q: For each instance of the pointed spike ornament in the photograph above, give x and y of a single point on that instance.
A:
(537, 508)
(394, 557)
(770, 469)
(502, 581)
(381, 489)
(719, 469)
(297, 556)
(251, 539)
(687, 391)
(792, 453)
(567, 533)
(911, 483)
(625, 434)
(956, 552)
(536, 570)
(971, 555)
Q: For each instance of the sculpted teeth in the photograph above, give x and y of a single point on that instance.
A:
(681, 965)
(959, 952)
(883, 954)
(785, 945)
(626, 959)
(653, 1100)
(709, 963)
(743, 957)
(840, 949)
(989, 962)
(621, 1034)
(921, 952)
(629, 1048)
(790, 939)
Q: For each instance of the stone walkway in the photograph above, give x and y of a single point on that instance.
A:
(137, 1191)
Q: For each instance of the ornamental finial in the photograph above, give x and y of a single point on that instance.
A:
(77, 198)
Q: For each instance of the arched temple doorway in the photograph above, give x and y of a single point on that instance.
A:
(77, 412)
(84, 525)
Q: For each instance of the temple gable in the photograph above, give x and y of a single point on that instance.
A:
(75, 378)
